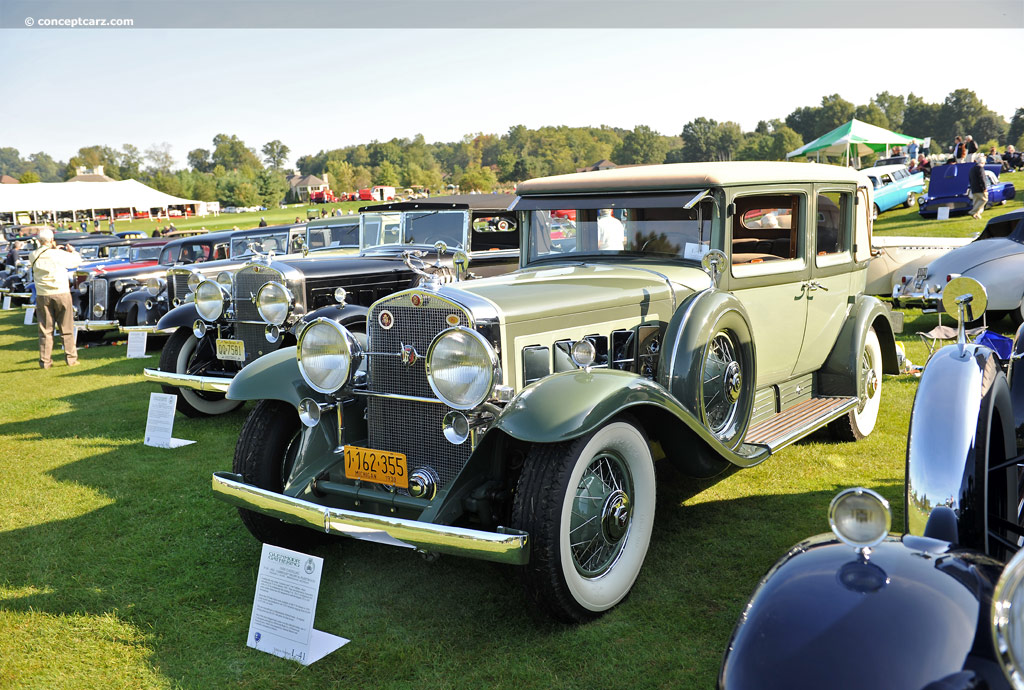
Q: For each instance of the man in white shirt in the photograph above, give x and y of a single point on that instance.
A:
(53, 296)
(611, 233)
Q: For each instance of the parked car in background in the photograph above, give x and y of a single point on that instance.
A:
(950, 187)
(995, 259)
(894, 186)
(892, 160)
(893, 257)
(225, 329)
(710, 313)
(933, 608)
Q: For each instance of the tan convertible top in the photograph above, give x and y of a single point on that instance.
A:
(687, 176)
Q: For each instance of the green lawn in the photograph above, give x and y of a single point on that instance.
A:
(120, 569)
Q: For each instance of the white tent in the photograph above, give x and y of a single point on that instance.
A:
(90, 197)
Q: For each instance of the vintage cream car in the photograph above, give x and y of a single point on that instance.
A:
(705, 315)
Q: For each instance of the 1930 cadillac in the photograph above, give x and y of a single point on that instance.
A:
(710, 314)
(933, 609)
(144, 307)
(231, 323)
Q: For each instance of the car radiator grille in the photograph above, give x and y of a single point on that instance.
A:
(246, 284)
(177, 286)
(97, 295)
(408, 426)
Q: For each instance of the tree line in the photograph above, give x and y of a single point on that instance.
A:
(235, 174)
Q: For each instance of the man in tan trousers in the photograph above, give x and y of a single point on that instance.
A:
(53, 296)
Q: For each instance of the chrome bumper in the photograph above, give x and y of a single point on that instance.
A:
(510, 546)
(146, 328)
(20, 295)
(212, 384)
(97, 325)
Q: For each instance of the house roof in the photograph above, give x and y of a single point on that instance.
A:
(91, 177)
(7, 179)
(307, 181)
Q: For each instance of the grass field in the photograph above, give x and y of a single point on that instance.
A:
(120, 569)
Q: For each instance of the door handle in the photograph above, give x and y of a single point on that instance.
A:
(814, 285)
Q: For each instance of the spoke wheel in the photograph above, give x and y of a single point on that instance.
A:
(721, 384)
(588, 506)
(180, 355)
(860, 421)
(875, 212)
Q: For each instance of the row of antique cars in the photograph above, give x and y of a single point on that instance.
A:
(495, 377)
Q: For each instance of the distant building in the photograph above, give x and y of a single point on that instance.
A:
(603, 164)
(302, 185)
(7, 179)
(84, 174)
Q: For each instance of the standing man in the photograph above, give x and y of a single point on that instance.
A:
(970, 147)
(979, 188)
(53, 296)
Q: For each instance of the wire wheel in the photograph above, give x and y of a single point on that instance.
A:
(721, 384)
(601, 511)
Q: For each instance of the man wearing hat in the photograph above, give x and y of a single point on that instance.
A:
(53, 296)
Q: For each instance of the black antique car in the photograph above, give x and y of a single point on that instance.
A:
(934, 608)
(142, 309)
(230, 325)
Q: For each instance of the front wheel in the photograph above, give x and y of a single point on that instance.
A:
(588, 506)
(875, 212)
(179, 356)
(860, 421)
(911, 198)
(267, 449)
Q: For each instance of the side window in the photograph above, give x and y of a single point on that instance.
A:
(833, 225)
(886, 179)
(766, 228)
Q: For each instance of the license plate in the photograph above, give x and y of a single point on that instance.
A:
(231, 349)
(922, 273)
(377, 466)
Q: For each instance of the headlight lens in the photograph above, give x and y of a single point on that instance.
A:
(193, 281)
(860, 517)
(461, 368)
(273, 302)
(224, 278)
(154, 285)
(1008, 619)
(209, 300)
(326, 352)
(119, 285)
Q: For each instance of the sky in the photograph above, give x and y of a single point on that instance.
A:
(325, 89)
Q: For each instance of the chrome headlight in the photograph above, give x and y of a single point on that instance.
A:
(118, 285)
(154, 286)
(209, 300)
(1008, 620)
(860, 517)
(327, 353)
(97, 310)
(83, 287)
(193, 281)
(273, 302)
(462, 368)
(225, 278)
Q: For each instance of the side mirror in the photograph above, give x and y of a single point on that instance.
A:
(460, 261)
(964, 299)
(714, 263)
(440, 247)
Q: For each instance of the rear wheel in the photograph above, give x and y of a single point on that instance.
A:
(179, 355)
(860, 421)
(875, 212)
(588, 506)
(265, 454)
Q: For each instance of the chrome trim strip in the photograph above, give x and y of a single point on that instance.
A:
(211, 384)
(97, 325)
(147, 328)
(21, 295)
(511, 546)
(398, 396)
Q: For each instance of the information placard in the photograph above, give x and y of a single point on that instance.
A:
(137, 345)
(281, 624)
(30, 315)
(7, 302)
(160, 422)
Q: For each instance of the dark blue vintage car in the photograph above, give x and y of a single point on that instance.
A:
(934, 609)
(950, 186)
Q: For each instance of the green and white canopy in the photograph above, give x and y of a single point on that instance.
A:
(855, 138)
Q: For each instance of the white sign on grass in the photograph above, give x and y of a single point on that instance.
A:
(160, 422)
(284, 606)
(136, 345)
(7, 302)
(943, 213)
(30, 314)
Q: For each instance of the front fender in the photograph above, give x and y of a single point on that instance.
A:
(182, 315)
(571, 404)
(962, 406)
(349, 316)
(274, 376)
(841, 373)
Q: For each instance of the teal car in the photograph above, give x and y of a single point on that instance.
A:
(894, 186)
(700, 315)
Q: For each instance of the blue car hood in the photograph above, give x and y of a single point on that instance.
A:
(951, 180)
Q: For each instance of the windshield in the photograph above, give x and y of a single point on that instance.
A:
(185, 253)
(89, 251)
(151, 253)
(274, 242)
(119, 251)
(662, 232)
(321, 236)
(425, 228)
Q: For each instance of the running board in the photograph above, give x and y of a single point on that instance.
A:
(798, 421)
